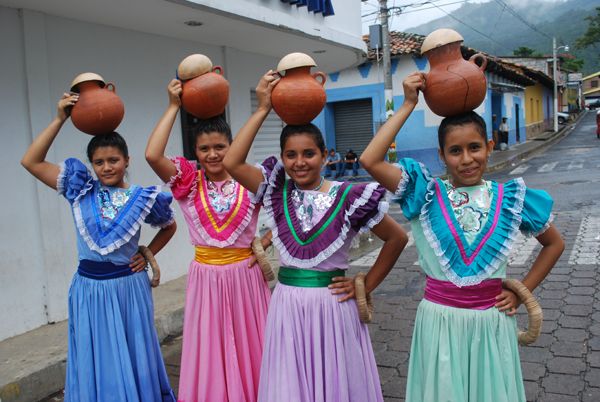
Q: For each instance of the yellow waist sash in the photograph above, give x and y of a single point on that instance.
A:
(221, 256)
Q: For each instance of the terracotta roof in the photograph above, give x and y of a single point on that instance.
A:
(405, 43)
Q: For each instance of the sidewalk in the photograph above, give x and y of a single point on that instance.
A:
(32, 365)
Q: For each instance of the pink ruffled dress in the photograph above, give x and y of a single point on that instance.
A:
(225, 305)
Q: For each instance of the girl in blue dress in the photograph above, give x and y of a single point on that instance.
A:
(464, 345)
(113, 353)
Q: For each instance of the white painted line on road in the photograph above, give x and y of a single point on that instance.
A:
(586, 250)
(522, 249)
(548, 167)
(369, 259)
(519, 170)
(575, 165)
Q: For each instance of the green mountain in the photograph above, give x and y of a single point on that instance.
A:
(520, 24)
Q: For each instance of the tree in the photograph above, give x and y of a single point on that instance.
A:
(524, 51)
(592, 36)
(573, 64)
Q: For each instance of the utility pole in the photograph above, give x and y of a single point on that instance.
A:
(555, 78)
(387, 62)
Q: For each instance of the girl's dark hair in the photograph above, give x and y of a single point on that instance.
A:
(460, 120)
(307, 129)
(214, 124)
(113, 139)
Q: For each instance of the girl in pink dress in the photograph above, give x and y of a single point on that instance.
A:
(227, 295)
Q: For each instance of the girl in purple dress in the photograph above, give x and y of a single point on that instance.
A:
(316, 349)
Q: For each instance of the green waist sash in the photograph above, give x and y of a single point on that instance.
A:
(307, 278)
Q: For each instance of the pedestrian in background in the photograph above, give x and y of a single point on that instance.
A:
(226, 296)
(316, 348)
(333, 163)
(350, 162)
(113, 348)
(464, 346)
(503, 132)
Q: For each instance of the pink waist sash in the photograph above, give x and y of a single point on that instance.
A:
(476, 297)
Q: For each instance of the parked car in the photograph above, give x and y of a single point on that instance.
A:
(593, 104)
(562, 117)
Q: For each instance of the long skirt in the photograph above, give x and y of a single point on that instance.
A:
(316, 350)
(223, 332)
(114, 353)
(463, 355)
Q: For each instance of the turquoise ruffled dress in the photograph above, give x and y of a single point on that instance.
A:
(464, 235)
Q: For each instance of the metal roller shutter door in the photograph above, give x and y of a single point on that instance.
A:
(353, 125)
(266, 142)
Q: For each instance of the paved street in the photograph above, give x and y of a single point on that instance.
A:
(564, 364)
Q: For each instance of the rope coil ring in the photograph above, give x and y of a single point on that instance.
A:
(364, 302)
(262, 259)
(149, 257)
(534, 311)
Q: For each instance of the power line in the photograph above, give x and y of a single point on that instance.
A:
(520, 18)
(467, 25)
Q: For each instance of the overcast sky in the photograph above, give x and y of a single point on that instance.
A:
(414, 15)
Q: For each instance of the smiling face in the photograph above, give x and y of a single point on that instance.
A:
(110, 166)
(466, 154)
(210, 150)
(303, 160)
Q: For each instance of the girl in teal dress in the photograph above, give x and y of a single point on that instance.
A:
(464, 345)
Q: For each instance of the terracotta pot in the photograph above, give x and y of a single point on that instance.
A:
(453, 84)
(99, 109)
(206, 95)
(299, 97)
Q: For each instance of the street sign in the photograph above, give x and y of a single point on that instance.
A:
(574, 77)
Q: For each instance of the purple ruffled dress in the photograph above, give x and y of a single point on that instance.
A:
(316, 349)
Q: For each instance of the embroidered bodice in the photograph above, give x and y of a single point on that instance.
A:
(108, 219)
(314, 230)
(465, 234)
(310, 206)
(218, 214)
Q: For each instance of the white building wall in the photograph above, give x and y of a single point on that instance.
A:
(41, 55)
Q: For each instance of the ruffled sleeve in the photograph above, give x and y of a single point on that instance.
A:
(536, 215)
(74, 179)
(161, 215)
(186, 178)
(273, 176)
(413, 187)
(369, 207)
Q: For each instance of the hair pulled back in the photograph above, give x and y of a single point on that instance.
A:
(216, 124)
(460, 120)
(304, 129)
(113, 139)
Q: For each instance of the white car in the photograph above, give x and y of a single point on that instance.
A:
(562, 117)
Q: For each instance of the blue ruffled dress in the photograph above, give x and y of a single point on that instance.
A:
(113, 353)
(464, 236)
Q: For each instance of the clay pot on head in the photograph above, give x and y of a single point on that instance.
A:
(206, 95)
(99, 109)
(453, 84)
(299, 97)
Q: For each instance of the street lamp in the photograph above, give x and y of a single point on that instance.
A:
(554, 73)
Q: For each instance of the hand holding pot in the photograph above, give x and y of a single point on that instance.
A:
(65, 104)
(264, 89)
(174, 90)
(412, 84)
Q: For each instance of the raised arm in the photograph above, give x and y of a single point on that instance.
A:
(373, 158)
(157, 143)
(34, 159)
(247, 174)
